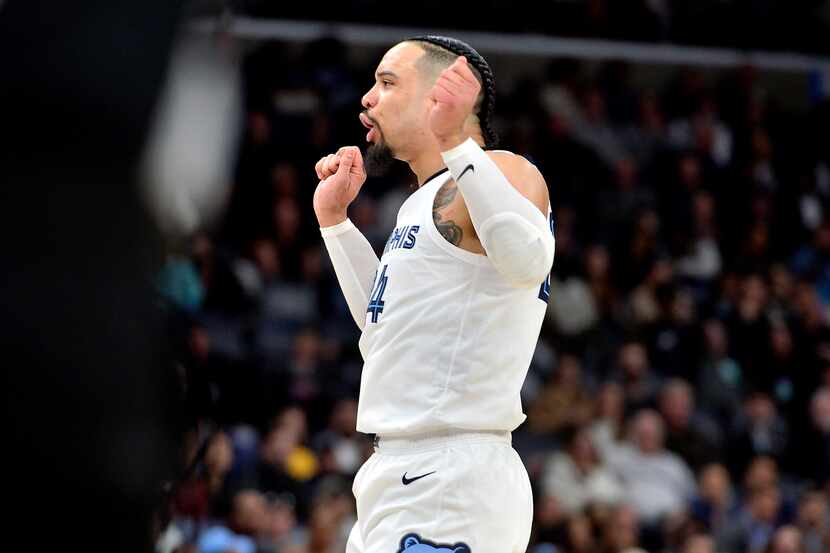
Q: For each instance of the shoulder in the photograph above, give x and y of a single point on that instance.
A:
(524, 176)
(514, 162)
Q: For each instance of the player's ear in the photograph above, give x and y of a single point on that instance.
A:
(410, 540)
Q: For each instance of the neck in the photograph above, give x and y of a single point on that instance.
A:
(426, 164)
(429, 161)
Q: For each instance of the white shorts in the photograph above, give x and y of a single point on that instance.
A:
(454, 492)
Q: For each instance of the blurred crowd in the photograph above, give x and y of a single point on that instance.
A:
(679, 397)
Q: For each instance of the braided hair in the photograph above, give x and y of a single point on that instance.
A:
(488, 80)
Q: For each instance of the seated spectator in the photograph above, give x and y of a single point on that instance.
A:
(285, 465)
(199, 496)
(340, 448)
(674, 339)
(701, 262)
(657, 482)
(759, 430)
(763, 471)
(690, 434)
(247, 520)
(577, 477)
(635, 374)
(748, 326)
(600, 281)
(756, 524)
(621, 531)
(814, 522)
(579, 536)
(287, 306)
(643, 306)
(563, 401)
(715, 506)
(281, 530)
(549, 521)
(720, 382)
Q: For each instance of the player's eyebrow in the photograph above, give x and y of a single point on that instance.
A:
(386, 73)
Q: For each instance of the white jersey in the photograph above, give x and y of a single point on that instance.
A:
(447, 342)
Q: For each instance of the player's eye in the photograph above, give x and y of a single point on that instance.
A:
(386, 84)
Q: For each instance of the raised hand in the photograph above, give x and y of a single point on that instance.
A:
(453, 98)
(341, 177)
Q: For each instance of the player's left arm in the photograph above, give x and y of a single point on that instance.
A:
(507, 199)
(505, 195)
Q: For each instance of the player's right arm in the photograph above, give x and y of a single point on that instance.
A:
(355, 263)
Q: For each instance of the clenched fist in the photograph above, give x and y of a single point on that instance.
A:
(453, 98)
(341, 176)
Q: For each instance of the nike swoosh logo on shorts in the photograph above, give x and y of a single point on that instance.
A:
(407, 481)
(467, 168)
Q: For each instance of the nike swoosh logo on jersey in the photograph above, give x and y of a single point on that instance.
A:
(407, 481)
(467, 168)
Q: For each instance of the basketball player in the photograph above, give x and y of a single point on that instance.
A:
(451, 312)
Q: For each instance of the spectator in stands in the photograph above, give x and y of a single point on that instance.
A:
(563, 401)
(657, 482)
(600, 281)
(285, 465)
(549, 520)
(747, 326)
(674, 338)
(340, 448)
(579, 535)
(640, 384)
(621, 531)
(720, 380)
(577, 477)
(700, 261)
(204, 494)
(715, 507)
(688, 433)
(756, 524)
(247, 520)
(759, 430)
(814, 522)
(644, 305)
(281, 529)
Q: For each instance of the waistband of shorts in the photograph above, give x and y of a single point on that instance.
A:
(438, 439)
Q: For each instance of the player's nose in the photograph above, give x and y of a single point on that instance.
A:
(369, 99)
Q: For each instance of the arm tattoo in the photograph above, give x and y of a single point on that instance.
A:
(445, 195)
(448, 229)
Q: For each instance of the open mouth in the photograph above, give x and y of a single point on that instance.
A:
(368, 124)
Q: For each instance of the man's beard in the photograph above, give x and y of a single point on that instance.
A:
(379, 157)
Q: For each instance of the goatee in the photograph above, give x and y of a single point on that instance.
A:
(379, 158)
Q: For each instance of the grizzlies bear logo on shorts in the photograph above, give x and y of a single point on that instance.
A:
(413, 543)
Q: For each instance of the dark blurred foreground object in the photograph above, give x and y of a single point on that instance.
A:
(89, 400)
